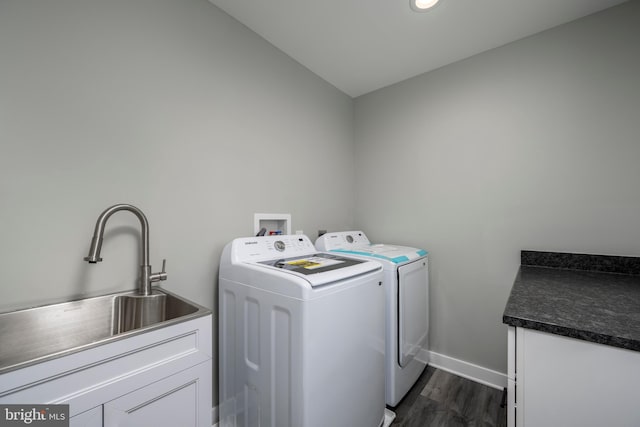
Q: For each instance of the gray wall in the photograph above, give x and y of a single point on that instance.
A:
(534, 145)
(172, 106)
(175, 107)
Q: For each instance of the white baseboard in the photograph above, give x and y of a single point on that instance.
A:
(468, 370)
(214, 416)
(389, 416)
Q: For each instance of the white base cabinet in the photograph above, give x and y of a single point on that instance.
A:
(90, 418)
(172, 401)
(161, 378)
(560, 381)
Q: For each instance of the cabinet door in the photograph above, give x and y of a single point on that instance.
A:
(90, 418)
(568, 382)
(178, 400)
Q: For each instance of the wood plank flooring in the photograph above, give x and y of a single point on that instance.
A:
(443, 399)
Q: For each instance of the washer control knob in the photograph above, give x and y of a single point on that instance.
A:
(279, 245)
(349, 238)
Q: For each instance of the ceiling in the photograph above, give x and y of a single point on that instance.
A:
(362, 45)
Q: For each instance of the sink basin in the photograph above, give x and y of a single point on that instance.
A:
(35, 334)
(136, 311)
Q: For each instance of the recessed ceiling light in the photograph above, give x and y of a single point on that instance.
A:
(422, 5)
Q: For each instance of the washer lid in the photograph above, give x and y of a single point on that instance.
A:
(322, 268)
(314, 264)
(395, 254)
(296, 255)
(356, 243)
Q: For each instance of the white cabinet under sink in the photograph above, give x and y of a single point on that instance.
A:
(90, 418)
(172, 401)
(158, 378)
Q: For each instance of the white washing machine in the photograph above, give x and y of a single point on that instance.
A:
(406, 282)
(301, 336)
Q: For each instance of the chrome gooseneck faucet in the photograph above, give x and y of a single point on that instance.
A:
(146, 277)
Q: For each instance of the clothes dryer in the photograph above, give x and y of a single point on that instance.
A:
(406, 282)
(301, 336)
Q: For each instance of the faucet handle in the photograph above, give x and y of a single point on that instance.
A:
(156, 277)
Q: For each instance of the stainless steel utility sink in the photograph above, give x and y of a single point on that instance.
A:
(35, 334)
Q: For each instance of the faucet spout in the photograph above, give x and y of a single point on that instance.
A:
(146, 277)
(94, 250)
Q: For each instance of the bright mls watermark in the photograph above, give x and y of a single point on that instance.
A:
(34, 415)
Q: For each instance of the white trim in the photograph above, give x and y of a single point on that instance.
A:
(214, 416)
(389, 416)
(423, 356)
(468, 370)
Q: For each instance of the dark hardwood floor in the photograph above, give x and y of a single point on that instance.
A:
(443, 399)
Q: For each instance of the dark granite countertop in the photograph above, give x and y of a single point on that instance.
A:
(589, 297)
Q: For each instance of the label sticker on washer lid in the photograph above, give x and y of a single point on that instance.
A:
(313, 262)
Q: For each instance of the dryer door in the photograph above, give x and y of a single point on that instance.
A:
(413, 310)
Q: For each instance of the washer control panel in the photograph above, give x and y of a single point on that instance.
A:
(263, 248)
